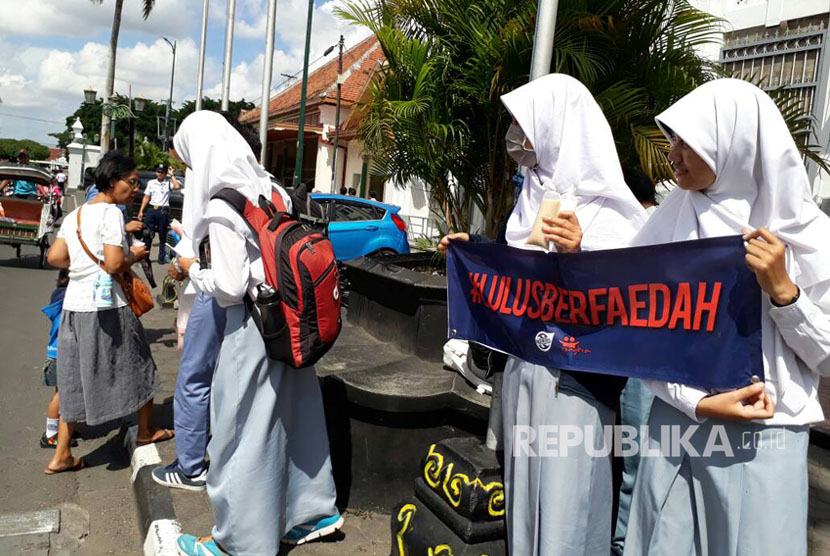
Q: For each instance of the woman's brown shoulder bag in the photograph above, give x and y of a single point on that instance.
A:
(138, 294)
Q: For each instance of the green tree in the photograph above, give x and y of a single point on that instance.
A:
(10, 147)
(116, 28)
(148, 154)
(434, 111)
(234, 107)
(146, 124)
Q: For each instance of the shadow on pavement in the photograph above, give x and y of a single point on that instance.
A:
(29, 260)
(334, 537)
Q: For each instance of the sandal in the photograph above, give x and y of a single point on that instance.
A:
(77, 466)
(159, 436)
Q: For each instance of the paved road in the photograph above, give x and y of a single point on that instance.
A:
(97, 499)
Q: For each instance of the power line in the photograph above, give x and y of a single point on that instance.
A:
(288, 79)
(30, 118)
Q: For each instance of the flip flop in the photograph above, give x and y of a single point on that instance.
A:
(77, 466)
(166, 434)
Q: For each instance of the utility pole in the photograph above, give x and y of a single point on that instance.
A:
(337, 115)
(298, 166)
(539, 66)
(132, 124)
(267, 74)
(226, 76)
(543, 40)
(200, 78)
(166, 138)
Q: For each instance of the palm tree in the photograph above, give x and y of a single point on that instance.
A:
(116, 28)
(433, 111)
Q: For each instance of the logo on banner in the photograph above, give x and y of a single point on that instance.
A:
(544, 340)
(571, 345)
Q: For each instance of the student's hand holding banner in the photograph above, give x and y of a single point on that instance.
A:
(445, 241)
(766, 257)
(744, 404)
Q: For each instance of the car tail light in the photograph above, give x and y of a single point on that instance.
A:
(399, 223)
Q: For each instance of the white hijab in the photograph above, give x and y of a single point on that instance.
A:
(575, 151)
(218, 158)
(761, 181)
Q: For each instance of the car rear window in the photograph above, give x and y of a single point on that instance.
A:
(354, 212)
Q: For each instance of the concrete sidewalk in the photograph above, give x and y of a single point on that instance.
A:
(163, 512)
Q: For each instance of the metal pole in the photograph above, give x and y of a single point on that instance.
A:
(539, 66)
(200, 77)
(169, 100)
(543, 41)
(226, 76)
(267, 73)
(83, 163)
(337, 117)
(298, 167)
(132, 125)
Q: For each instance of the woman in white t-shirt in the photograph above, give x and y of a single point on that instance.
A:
(105, 369)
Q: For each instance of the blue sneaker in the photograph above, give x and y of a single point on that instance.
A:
(311, 530)
(190, 545)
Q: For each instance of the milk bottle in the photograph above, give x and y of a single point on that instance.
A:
(552, 204)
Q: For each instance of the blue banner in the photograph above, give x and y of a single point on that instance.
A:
(687, 312)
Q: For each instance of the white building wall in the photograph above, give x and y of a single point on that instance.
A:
(354, 164)
(80, 156)
(747, 14)
(322, 173)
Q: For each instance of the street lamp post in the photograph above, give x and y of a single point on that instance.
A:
(115, 111)
(169, 98)
(138, 106)
(340, 44)
(298, 166)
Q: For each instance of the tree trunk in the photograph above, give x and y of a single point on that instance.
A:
(105, 121)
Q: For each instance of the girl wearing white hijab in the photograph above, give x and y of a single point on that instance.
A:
(738, 172)
(270, 473)
(562, 505)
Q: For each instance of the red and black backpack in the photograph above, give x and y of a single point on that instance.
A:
(300, 265)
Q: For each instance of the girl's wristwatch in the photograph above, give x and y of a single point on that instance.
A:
(176, 265)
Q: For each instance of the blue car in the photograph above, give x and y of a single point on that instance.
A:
(361, 227)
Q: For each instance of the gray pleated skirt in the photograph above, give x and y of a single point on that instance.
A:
(558, 504)
(269, 452)
(749, 499)
(105, 368)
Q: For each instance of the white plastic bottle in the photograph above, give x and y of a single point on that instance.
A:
(549, 208)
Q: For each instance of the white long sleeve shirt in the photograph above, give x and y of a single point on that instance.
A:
(796, 352)
(236, 262)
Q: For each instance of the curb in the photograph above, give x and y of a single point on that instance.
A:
(157, 522)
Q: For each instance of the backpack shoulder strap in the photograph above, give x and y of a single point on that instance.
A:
(234, 198)
(258, 215)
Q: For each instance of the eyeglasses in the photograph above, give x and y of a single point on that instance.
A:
(134, 182)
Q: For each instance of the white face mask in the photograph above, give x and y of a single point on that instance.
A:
(515, 139)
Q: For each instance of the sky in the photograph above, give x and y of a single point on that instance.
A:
(51, 50)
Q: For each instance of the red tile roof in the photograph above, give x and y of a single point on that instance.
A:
(54, 154)
(359, 65)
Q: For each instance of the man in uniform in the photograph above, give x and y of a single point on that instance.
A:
(155, 207)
